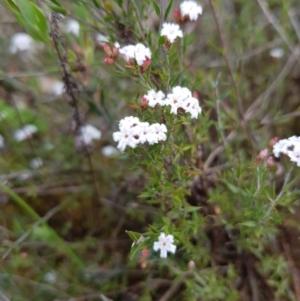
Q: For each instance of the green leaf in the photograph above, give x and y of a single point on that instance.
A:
(161, 40)
(96, 3)
(250, 224)
(41, 21)
(58, 9)
(168, 10)
(133, 235)
(26, 10)
(13, 6)
(119, 2)
(156, 7)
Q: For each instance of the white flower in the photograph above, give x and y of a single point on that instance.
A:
(165, 245)
(171, 31)
(289, 147)
(190, 9)
(117, 45)
(157, 133)
(50, 277)
(128, 121)
(132, 132)
(276, 53)
(127, 52)
(21, 42)
(36, 163)
(58, 88)
(109, 151)
(181, 98)
(155, 98)
(89, 133)
(73, 27)
(1, 141)
(137, 52)
(25, 132)
(126, 137)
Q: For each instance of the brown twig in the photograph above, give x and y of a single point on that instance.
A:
(70, 86)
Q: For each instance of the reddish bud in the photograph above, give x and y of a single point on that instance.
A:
(115, 52)
(108, 61)
(272, 142)
(107, 50)
(191, 265)
(144, 103)
(261, 156)
(217, 210)
(196, 94)
(271, 165)
(145, 252)
(146, 64)
(177, 15)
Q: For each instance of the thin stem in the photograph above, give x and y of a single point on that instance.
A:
(274, 203)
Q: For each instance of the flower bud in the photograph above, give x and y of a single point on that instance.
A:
(271, 165)
(107, 50)
(116, 50)
(144, 103)
(261, 156)
(146, 64)
(108, 61)
(191, 265)
(272, 142)
(177, 15)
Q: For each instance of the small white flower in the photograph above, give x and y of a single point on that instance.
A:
(117, 45)
(276, 53)
(36, 163)
(141, 53)
(155, 98)
(73, 27)
(89, 133)
(165, 245)
(126, 137)
(137, 52)
(181, 98)
(50, 277)
(128, 121)
(171, 31)
(157, 133)
(58, 88)
(191, 9)
(109, 151)
(25, 132)
(127, 52)
(289, 147)
(132, 132)
(21, 42)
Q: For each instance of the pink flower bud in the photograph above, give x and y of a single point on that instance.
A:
(272, 142)
(146, 64)
(108, 61)
(107, 50)
(261, 156)
(271, 165)
(115, 52)
(144, 103)
(196, 94)
(191, 265)
(177, 15)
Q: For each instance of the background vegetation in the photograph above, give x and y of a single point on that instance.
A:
(65, 207)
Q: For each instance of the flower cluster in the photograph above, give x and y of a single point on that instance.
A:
(138, 53)
(133, 132)
(165, 245)
(189, 11)
(25, 132)
(88, 133)
(289, 147)
(171, 31)
(180, 99)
